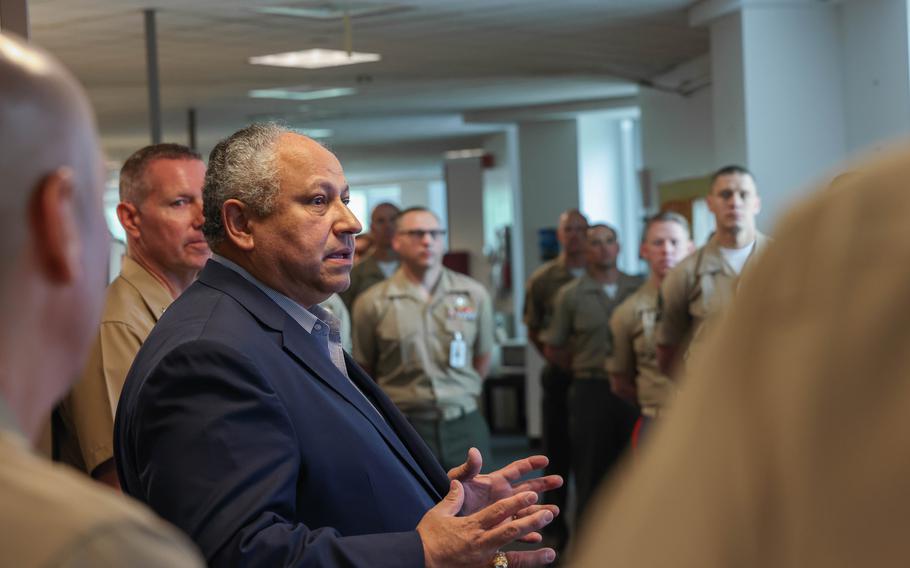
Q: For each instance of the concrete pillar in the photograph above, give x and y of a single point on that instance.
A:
(548, 164)
(876, 63)
(464, 202)
(778, 93)
(548, 171)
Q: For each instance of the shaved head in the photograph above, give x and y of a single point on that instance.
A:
(45, 124)
(53, 237)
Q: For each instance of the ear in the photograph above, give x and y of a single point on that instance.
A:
(236, 218)
(396, 243)
(642, 252)
(128, 215)
(54, 228)
(709, 201)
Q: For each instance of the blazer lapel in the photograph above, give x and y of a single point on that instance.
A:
(398, 434)
(427, 464)
(304, 348)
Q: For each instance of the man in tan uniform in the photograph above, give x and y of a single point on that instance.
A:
(161, 211)
(634, 375)
(600, 424)
(426, 335)
(802, 460)
(381, 261)
(703, 285)
(54, 245)
(541, 291)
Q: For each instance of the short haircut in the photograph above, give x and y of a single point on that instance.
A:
(415, 209)
(386, 204)
(665, 217)
(133, 188)
(571, 212)
(243, 166)
(730, 170)
(607, 227)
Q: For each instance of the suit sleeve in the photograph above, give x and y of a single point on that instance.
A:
(217, 455)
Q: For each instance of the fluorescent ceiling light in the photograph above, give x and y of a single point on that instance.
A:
(315, 132)
(329, 12)
(461, 154)
(291, 94)
(314, 58)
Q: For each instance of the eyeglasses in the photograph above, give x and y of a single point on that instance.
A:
(419, 234)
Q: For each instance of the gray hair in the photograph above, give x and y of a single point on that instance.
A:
(243, 166)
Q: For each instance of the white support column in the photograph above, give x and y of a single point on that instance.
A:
(876, 72)
(464, 196)
(548, 166)
(778, 93)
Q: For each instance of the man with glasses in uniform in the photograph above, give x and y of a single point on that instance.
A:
(426, 335)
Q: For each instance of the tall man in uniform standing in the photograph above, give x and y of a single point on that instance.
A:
(541, 291)
(600, 424)
(382, 260)
(54, 246)
(161, 211)
(704, 284)
(426, 335)
(634, 375)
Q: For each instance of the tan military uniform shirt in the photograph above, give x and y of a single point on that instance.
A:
(634, 354)
(581, 321)
(540, 293)
(365, 274)
(406, 342)
(53, 517)
(696, 290)
(788, 446)
(134, 302)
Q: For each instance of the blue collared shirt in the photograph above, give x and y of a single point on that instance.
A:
(316, 321)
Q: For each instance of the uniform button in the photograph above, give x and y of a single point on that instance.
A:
(317, 327)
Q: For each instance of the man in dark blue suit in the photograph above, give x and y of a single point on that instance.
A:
(243, 421)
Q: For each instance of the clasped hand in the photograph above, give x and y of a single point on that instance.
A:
(495, 508)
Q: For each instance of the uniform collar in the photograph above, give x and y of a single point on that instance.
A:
(154, 294)
(400, 285)
(587, 284)
(712, 260)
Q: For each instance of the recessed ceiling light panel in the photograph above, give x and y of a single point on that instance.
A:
(328, 11)
(292, 94)
(314, 58)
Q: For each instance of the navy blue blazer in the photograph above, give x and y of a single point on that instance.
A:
(235, 426)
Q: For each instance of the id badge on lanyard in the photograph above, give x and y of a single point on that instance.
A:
(458, 352)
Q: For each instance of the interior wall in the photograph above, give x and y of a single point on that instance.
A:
(677, 131)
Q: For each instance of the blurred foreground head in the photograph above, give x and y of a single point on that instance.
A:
(53, 237)
(788, 444)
